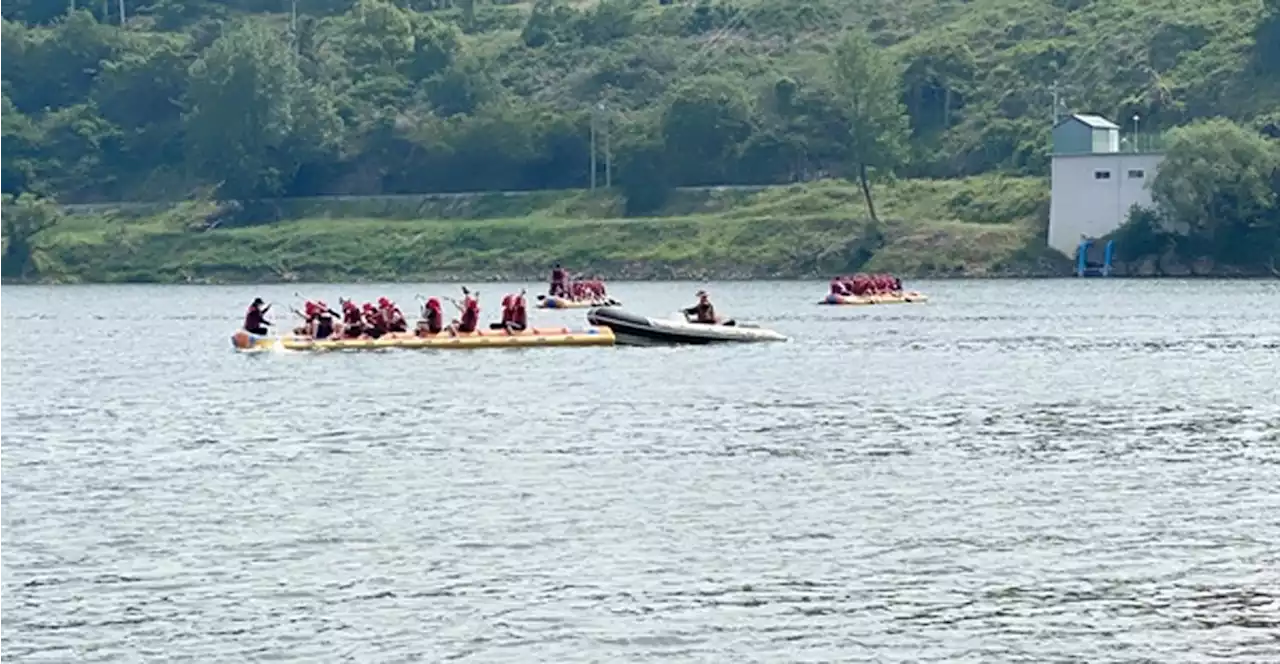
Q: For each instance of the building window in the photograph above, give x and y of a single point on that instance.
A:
(1137, 174)
(1102, 175)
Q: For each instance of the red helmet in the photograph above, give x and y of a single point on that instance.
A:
(433, 304)
(384, 302)
(506, 301)
(312, 308)
(349, 305)
(368, 307)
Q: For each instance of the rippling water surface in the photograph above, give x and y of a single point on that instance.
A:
(1017, 471)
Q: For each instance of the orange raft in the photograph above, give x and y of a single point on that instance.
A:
(537, 337)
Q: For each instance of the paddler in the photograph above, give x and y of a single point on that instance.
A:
(470, 314)
(374, 325)
(432, 318)
(309, 312)
(255, 321)
(519, 314)
(322, 322)
(837, 287)
(702, 312)
(391, 316)
(515, 317)
(352, 321)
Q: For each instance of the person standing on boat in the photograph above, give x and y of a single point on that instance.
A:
(558, 279)
(703, 311)
(255, 321)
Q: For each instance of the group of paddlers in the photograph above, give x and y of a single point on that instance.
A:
(866, 284)
(374, 321)
(577, 289)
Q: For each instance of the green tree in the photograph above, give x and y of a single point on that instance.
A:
(705, 123)
(253, 121)
(25, 218)
(871, 87)
(1217, 181)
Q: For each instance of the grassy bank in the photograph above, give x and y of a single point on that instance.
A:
(986, 226)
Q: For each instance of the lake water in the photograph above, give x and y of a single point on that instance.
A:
(1038, 471)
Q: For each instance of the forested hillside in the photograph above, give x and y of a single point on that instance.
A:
(155, 99)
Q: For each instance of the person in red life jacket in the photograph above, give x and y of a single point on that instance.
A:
(321, 322)
(577, 291)
(506, 314)
(391, 316)
(432, 318)
(559, 281)
(519, 314)
(837, 287)
(374, 325)
(255, 321)
(470, 314)
(515, 316)
(308, 314)
(861, 285)
(352, 321)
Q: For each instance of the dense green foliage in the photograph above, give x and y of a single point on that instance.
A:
(1217, 196)
(377, 96)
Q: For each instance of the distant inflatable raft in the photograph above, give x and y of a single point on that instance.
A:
(550, 302)
(908, 297)
(540, 337)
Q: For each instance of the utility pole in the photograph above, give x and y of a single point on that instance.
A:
(293, 24)
(593, 150)
(1055, 102)
(122, 13)
(608, 150)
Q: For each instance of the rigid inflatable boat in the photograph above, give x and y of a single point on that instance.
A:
(635, 330)
(539, 337)
(552, 302)
(903, 298)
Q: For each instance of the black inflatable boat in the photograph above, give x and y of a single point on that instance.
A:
(636, 330)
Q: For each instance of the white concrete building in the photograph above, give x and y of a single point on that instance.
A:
(1093, 183)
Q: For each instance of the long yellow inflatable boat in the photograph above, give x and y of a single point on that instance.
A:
(904, 298)
(538, 337)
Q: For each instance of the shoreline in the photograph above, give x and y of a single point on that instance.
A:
(477, 278)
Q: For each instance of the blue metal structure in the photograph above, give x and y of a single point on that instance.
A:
(1084, 268)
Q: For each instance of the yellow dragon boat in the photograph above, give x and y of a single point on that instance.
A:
(907, 297)
(537, 337)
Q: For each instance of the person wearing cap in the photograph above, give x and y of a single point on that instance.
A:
(255, 321)
(703, 311)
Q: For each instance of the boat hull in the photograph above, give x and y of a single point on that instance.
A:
(908, 297)
(634, 330)
(565, 303)
(540, 337)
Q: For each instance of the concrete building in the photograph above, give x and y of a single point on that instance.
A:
(1093, 183)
